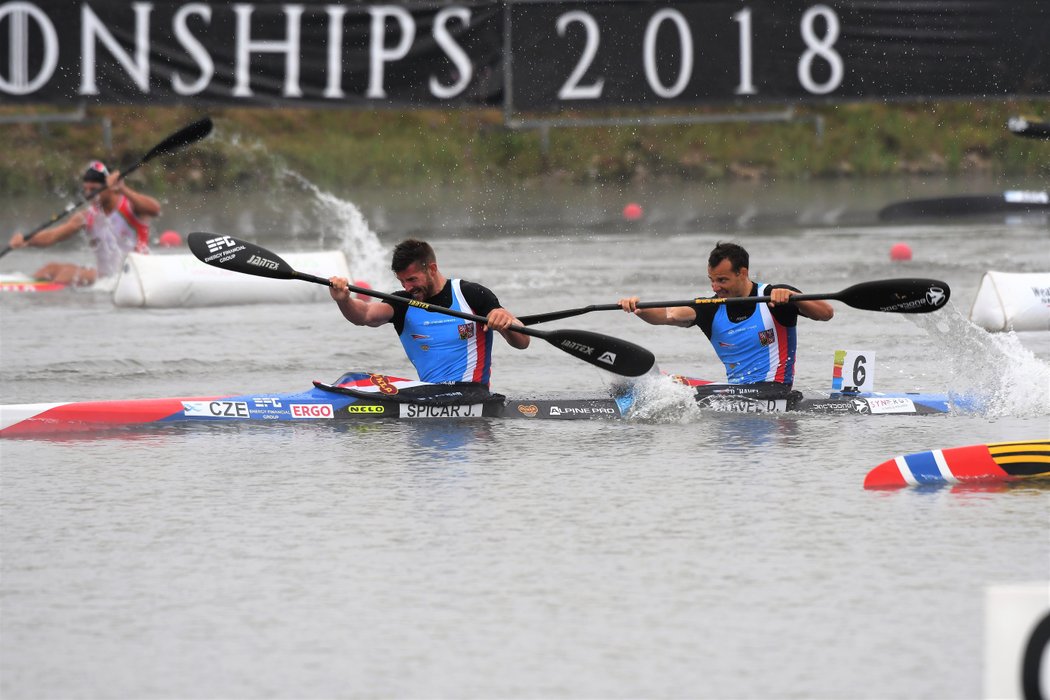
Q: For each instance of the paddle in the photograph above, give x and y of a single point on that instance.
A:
(902, 296)
(183, 137)
(613, 354)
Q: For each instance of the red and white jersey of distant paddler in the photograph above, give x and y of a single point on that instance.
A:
(114, 235)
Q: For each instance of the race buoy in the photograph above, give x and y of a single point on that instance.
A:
(364, 285)
(632, 212)
(1012, 301)
(900, 252)
(170, 239)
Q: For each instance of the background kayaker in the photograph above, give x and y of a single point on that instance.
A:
(442, 348)
(116, 223)
(756, 342)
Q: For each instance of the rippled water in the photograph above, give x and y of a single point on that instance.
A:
(676, 555)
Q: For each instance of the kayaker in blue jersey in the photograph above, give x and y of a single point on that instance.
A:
(756, 342)
(442, 348)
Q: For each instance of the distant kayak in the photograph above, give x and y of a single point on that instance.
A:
(1022, 126)
(22, 283)
(1009, 202)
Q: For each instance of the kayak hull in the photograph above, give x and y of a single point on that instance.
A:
(20, 283)
(362, 396)
(972, 464)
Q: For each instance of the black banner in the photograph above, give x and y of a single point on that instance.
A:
(559, 54)
(575, 54)
(351, 54)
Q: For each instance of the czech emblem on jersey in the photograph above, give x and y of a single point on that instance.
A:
(466, 331)
(767, 337)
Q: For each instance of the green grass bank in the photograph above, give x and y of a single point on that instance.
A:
(352, 148)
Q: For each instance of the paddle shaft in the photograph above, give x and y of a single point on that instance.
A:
(187, 135)
(555, 315)
(892, 296)
(432, 308)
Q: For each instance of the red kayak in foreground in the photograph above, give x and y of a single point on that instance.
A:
(994, 462)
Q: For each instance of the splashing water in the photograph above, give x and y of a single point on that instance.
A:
(366, 255)
(325, 216)
(658, 398)
(997, 367)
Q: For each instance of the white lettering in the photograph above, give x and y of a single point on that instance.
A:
(685, 68)
(572, 90)
(18, 15)
(334, 87)
(822, 48)
(1020, 196)
(289, 47)
(454, 51)
(379, 55)
(92, 29)
(194, 48)
(747, 85)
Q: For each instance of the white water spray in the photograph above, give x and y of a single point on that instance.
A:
(367, 257)
(997, 366)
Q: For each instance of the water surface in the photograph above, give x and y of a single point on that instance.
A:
(676, 555)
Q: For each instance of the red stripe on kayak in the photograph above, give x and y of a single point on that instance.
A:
(90, 415)
(31, 286)
(885, 476)
(973, 463)
(970, 464)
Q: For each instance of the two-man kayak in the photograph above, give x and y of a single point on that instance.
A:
(360, 396)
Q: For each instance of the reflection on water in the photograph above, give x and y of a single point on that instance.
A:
(445, 441)
(742, 434)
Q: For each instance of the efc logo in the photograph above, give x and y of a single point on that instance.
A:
(311, 410)
(216, 244)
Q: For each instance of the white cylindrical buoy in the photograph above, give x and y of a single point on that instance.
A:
(1013, 301)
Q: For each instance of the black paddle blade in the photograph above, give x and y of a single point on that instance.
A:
(234, 254)
(901, 296)
(190, 134)
(612, 354)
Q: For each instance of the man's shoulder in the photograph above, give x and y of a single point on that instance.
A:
(481, 299)
(705, 310)
(473, 286)
(783, 286)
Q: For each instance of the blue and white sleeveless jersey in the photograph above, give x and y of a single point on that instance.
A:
(445, 348)
(757, 349)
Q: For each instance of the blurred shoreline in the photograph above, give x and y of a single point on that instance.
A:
(337, 149)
